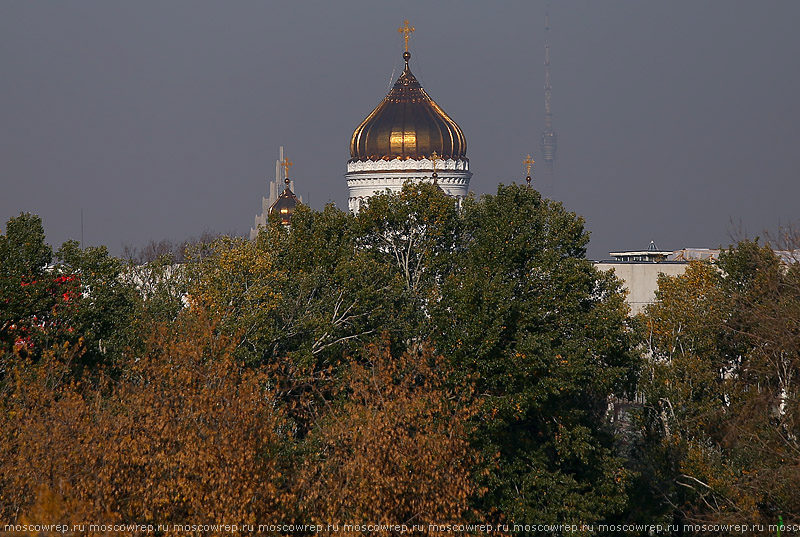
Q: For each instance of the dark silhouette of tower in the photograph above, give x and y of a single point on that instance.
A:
(549, 140)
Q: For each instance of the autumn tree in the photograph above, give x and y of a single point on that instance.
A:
(187, 434)
(685, 373)
(720, 388)
(237, 284)
(504, 293)
(417, 362)
(190, 433)
(394, 447)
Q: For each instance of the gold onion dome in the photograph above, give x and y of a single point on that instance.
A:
(285, 205)
(287, 202)
(407, 124)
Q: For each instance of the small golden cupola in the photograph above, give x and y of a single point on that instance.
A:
(407, 137)
(286, 203)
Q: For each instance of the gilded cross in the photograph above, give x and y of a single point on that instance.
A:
(286, 163)
(434, 158)
(528, 162)
(406, 31)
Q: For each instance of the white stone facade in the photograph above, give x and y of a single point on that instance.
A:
(366, 178)
(640, 279)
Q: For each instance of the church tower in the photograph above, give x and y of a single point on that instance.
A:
(407, 137)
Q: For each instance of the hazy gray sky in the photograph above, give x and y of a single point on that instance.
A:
(163, 119)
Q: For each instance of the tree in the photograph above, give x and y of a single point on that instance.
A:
(162, 286)
(186, 435)
(687, 363)
(412, 237)
(416, 363)
(394, 447)
(415, 232)
(237, 284)
(81, 299)
(27, 293)
(546, 336)
(722, 406)
(334, 297)
(101, 312)
(683, 382)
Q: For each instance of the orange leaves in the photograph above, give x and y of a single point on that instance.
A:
(395, 449)
(182, 434)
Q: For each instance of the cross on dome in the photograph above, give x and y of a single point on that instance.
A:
(528, 162)
(286, 163)
(435, 158)
(406, 31)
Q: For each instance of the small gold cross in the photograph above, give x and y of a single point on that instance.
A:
(286, 163)
(528, 162)
(434, 158)
(406, 31)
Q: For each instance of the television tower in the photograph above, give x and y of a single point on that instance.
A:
(549, 140)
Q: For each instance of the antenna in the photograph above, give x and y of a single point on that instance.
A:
(81, 228)
(549, 139)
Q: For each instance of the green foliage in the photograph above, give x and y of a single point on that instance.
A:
(80, 300)
(503, 291)
(485, 319)
(23, 250)
(235, 282)
(415, 232)
(27, 293)
(305, 293)
(412, 238)
(162, 284)
(334, 297)
(102, 309)
(546, 335)
(685, 373)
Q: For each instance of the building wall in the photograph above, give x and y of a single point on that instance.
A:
(641, 279)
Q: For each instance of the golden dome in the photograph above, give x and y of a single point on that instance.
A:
(407, 124)
(285, 205)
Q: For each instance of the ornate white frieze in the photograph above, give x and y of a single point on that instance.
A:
(406, 165)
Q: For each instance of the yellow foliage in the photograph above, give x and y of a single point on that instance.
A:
(396, 450)
(183, 435)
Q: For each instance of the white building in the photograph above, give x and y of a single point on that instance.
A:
(639, 270)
